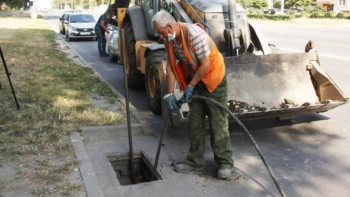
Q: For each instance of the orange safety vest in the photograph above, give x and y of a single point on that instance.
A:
(216, 70)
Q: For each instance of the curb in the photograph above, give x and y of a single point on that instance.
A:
(87, 172)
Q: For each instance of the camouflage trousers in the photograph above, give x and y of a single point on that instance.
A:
(218, 123)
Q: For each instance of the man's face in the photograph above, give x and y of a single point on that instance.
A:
(164, 31)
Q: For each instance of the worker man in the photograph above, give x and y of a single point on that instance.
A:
(199, 71)
(101, 29)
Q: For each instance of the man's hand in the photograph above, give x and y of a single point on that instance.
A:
(108, 31)
(187, 96)
(170, 100)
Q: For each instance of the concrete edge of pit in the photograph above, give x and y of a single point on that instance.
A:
(119, 130)
(87, 172)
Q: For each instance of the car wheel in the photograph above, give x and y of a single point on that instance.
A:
(68, 37)
(63, 31)
(111, 57)
(119, 60)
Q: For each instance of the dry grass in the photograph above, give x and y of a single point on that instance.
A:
(55, 98)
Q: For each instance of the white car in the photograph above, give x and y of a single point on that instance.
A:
(113, 49)
(44, 10)
(80, 25)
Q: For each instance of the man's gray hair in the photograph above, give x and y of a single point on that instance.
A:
(162, 19)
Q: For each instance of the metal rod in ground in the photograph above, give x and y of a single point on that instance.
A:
(159, 148)
(126, 89)
(8, 76)
(250, 137)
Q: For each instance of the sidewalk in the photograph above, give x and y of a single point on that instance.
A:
(99, 145)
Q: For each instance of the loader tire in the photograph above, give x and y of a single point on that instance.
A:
(153, 89)
(135, 78)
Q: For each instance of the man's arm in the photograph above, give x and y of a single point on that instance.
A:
(170, 98)
(199, 42)
(202, 69)
(170, 78)
(102, 25)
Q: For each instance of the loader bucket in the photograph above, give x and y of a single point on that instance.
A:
(279, 85)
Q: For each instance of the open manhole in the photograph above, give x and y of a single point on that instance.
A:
(142, 167)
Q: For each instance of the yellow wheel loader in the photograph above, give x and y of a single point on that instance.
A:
(261, 82)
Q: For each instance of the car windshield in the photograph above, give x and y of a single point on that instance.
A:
(82, 18)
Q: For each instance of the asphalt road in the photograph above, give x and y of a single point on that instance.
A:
(310, 157)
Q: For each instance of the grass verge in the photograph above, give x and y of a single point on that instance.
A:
(55, 95)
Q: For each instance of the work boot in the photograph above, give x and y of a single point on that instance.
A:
(224, 173)
(184, 167)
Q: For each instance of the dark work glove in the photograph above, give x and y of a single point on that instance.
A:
(187, 96)
(170, 100)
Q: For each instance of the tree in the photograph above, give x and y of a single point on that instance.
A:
(297, 3)
(258, 4)
(85, 4)
(59, 4)
(244, 3)
(99, 2)
(16, 4)
(277, 4)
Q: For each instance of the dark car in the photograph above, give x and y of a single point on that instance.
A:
(63, 20)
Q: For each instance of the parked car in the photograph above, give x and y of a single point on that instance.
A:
(44, 10)
(271, 11)
(63, 20)
(80, 25)
(113, 47)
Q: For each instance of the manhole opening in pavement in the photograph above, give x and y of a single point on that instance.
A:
(142, 167)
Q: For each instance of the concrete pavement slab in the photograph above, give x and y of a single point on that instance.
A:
(204, 183)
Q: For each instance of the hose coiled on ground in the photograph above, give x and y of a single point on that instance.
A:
(256, 146)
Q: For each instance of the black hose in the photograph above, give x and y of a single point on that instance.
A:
(249, 136)
(158, 150)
